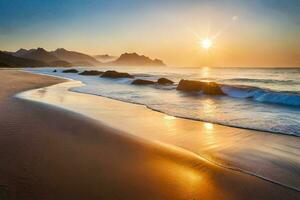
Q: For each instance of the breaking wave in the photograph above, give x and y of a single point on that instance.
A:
(262, 95)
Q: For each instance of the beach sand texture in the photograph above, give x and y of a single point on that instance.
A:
(271, 156)
(50, 153)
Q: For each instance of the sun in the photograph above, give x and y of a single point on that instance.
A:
(206, 43)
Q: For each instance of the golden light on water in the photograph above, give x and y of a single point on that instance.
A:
(208, 126)
(169, 117)
(206, 43)
(205, 71)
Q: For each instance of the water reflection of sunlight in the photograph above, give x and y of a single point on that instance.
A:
(169, 117)
(205, 72)
(209, 106)
(206, 81)
(208, 126)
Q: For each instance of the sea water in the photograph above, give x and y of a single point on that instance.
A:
(266, 99)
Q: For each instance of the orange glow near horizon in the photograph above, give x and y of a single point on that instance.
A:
(181, 33)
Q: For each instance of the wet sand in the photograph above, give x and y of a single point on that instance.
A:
(270, 156)
(50, 153)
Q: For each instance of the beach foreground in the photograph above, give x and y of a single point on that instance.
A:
(50, 153)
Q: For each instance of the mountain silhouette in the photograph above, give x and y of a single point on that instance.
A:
(8, 60)
(74, 57)
(133, 59)
(105, 58)
(63, 58)
(36, 54)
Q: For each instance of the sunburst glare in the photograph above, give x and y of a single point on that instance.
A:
(206, 43)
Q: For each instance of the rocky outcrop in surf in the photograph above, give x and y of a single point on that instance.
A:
(164, 81)
(161, 81)
(91, 73)
(142, 82)
(210, 88)
(70, 71)
(115, 74)
(189, 86)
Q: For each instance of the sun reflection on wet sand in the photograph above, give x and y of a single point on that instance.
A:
(208, 130)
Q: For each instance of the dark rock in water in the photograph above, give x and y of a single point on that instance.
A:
(164, 81)
(212, 88)
(187, 85)
(55, 70)
(142, 82)
(70, 71)
(115, 74)
(91, 73)
(161, 81)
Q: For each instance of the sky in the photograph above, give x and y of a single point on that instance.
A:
(243, 33)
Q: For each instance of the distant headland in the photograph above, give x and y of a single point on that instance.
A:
(61, 57)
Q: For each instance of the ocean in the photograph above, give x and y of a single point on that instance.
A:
(266, 99)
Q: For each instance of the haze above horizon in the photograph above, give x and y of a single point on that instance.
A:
(235, 33)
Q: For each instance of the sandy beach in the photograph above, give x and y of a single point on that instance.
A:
(274, 157)
(50, 153)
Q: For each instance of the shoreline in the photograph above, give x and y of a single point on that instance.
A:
(194, 118)
(224, 164)
(187, 118)
(58, 154)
